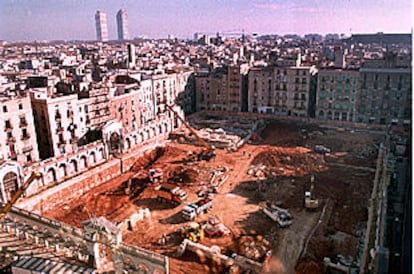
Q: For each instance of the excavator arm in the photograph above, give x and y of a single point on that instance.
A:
(201, 140)
(35, 175)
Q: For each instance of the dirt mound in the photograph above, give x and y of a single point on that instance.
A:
(296, 161)
(180, 174)
(148, 159)
(308, 266)
(281, 134)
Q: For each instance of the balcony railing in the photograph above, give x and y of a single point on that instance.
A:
(8, 127)
(59, 129)
(61, 143)
(27, 148)
(25, 137)
(11, 139)
(23, 123)
(58, 116)
(13, 155)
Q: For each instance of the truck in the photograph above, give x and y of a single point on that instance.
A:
(190, 211)
(281, 216)
(171, 193)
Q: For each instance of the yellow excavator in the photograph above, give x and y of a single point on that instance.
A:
(311, 203)
(193, 232)
(35, 175)
(207, 153)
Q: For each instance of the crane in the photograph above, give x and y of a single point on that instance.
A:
(35, 175)
(208, 152)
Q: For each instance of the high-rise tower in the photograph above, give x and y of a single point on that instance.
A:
(101, 26)
(122, 22)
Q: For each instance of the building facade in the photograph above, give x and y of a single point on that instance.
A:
(386, 95)
(337, 94)
(101, 26)
(122, 25)
(279, 90)
(57, 123)
(18, 140)
(220, 89)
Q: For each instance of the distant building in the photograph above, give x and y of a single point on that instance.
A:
(131, 56)
(101, 26)
(381, 38)
(122, 23)
(339, 57)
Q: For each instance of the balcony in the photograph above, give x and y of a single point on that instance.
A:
(8, 127)
(11, 139)
(59, 129)
(74, 140)
(58, 116)
(27, 149)
(25, 137)
(23, 123)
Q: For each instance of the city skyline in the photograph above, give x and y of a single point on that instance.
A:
(73, 20)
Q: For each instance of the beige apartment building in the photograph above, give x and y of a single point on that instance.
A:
(57, 122)
(219, 90)
(279, 90)
(337, 94)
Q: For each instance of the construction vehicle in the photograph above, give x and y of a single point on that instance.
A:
(171, 193)
(190, 211)
(193, 232)
(35, 175)
(214, 227)
(310, 202)
(281, 216)
(321, 149)
(207, 153)
(154, 175)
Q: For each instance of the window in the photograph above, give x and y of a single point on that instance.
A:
(4, 108)
(24, 133)
(8, 125)
(28, 157)
(20, 106)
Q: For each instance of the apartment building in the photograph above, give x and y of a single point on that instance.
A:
(385, 96)
(18, 140)
(57, 122)
(261, 97)
(220, 89)
(279, 90)
(337, 94)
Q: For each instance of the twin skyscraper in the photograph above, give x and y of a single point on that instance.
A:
(102, 25)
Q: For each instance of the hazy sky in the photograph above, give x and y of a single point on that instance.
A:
(74, 19)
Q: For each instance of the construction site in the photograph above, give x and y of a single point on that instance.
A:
(242, 194)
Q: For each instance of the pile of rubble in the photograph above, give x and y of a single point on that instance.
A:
(215, 137)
